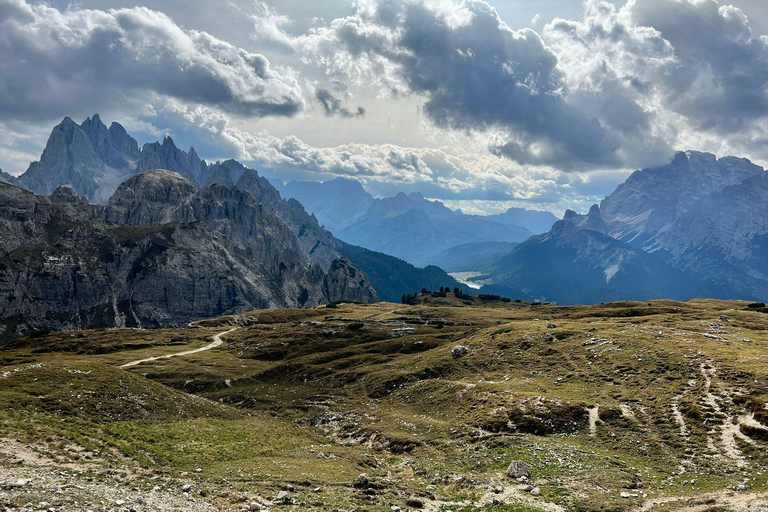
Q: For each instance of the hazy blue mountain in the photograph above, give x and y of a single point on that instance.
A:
(474, 256)
(571, 265)
(336, 203)
(535, 221)
(414, 229)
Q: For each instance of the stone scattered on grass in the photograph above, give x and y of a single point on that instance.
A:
(459, 351)
(518, 469)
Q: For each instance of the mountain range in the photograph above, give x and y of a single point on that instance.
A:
(409, 226)
(179, 241)
(415, 229)
(696, 227)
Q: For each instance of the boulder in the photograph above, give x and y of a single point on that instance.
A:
(518, 469)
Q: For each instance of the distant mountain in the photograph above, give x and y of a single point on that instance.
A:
(414, 229)
(535, 221)
(697, 227)
(95, 160)
(652, 199)
(90, 157)
(336, 203)
(7, 178)
(476, 256)
(571, 265)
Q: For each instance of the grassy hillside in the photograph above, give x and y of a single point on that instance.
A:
(654, 406)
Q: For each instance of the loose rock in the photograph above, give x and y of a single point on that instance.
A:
(518, 469)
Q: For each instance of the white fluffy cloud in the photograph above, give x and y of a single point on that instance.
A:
(54, 63)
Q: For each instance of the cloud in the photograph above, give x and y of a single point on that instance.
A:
(332, 106)
(693, 64)
(619, 88)
(54, 63)
(448, 173)
(477, 75)
(719, 79)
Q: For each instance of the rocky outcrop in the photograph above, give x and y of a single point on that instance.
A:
(149, 198)
(66, 194)
(168, 156)
(222, 176)
(7, 178)
(314, 240)
(345, 282)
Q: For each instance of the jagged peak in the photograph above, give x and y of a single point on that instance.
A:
(67, 121)
(168, 141)
(570, 215)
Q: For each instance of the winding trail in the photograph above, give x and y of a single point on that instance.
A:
(217, 342)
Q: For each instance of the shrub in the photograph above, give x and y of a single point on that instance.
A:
(355, 326)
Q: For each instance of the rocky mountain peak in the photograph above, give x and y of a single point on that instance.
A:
(149, 198)
(222, 176)
(66, 194)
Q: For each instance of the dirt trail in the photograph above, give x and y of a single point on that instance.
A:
(676, 414)
(217, 342)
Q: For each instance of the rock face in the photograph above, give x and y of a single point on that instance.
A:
(149, 198)
(314, 240)
(345, 282)
(168, 156)
(96, 160)
(160, 254)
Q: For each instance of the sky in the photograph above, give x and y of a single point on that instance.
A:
(483, 105)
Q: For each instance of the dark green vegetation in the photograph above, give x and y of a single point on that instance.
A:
(662, 401)
(392, 277)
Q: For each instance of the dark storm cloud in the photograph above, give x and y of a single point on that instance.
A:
(56, 62)
(333, 107)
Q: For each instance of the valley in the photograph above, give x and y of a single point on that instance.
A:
(654, 406)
